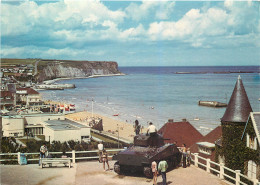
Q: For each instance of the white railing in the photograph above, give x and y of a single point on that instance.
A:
(222, 169)
(73, 154)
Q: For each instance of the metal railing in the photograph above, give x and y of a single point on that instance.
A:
(73, 153)
(221, 170)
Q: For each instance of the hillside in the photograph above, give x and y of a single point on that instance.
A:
(51, 69)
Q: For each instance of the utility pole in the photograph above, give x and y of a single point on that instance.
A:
(92, 107)
(118, 135)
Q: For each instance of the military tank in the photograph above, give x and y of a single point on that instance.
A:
(146, 149)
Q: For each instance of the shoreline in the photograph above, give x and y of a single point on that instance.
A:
(110, 125)
(71, 78)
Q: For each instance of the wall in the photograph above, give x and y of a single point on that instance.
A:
(11, 126)
(62, 135)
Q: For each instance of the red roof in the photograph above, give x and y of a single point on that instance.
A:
(7, 94)
(29, 90)
(180, 132)
(211, 137)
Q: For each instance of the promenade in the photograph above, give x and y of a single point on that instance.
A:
(92, 173)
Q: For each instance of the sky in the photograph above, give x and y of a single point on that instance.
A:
(133, 33)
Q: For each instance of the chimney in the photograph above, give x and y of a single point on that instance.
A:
(184, 120)
(170, 120)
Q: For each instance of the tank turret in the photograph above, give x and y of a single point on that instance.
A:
(145, 150)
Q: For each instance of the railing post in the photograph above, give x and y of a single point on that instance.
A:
(73, 156)
(19, 157)
(208, 165)
(221, 171)
(256, 182)
(196, 160)
(237, 177)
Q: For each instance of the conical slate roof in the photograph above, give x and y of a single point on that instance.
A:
(239, 107)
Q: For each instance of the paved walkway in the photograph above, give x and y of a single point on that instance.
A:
(92, 173)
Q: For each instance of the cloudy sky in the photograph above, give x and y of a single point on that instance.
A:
(133, 33)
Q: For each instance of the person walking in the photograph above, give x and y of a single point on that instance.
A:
(43, 152)
(100, 150)
(105, 159)
(162, 167)
(155, 172)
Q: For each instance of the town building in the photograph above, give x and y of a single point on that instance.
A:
(251, 136)
(65, 130)
(180, 133)
(52, 126)
(7, 100)
(205, 147)
(232, 148)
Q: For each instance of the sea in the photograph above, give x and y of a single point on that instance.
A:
(156, 94)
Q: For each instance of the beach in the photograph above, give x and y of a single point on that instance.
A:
(126, 130)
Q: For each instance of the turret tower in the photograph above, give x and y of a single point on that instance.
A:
(233, 123)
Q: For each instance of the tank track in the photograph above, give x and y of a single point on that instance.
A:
(117, 168)
(148, 172)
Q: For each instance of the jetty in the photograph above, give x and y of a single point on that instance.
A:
(212, 104)
(55, 86)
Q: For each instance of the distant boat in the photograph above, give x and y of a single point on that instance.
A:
(196, 119)
(116, 115)
(212, 104)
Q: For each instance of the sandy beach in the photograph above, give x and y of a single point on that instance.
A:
(126, 130)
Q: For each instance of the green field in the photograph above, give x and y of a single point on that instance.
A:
(10, 61)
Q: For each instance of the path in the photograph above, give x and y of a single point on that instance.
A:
(92, 173)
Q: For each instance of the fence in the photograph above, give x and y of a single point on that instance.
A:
(222, 171)
(73, 153)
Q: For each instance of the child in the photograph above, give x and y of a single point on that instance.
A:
(105, 159)
(155, 172)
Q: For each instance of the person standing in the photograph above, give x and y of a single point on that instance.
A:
(43, 152)
(105, 159)
(184, 155)
(137, 127)
(162, 167)
(155, 172)
(152, 132)
(100, 150)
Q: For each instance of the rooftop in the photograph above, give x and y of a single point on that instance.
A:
(180, 132)
(239, 107)
(64, 125)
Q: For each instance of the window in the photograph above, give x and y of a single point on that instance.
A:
(251, 173)
(251, 142)
(204, 150)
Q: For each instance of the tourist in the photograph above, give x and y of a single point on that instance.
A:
(100, 150)
(137, 127)
(188, 157)
(155, 172)
(162, 167)
(43, 152)
(64, 155)
(105, 159)
(152, 132)
(184, 155)
(151, 129)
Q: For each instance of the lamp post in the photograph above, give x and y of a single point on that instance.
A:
(92, 108)
(118, 135)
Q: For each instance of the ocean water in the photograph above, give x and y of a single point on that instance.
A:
(157, 94)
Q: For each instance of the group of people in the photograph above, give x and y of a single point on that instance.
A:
(103, 156)
(162, 168)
